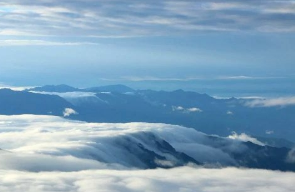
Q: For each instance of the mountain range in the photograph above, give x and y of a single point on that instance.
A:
(119, 103)
(272, 126)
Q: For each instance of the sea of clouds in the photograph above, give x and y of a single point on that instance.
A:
(183, 179)
(47, 153)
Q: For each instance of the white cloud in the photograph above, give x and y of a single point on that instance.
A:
(276, 102)
(15, 88)
(177, 108)
(12, 42)
(194, 109)
(48, 135)
(15, 32)
(189, 78)
(184, 179)
(244, 137)
(164, 163)
(76, 97)
(186, 110)
(251, 97)
(68, 95)
(68, 112)
(40, 151)
(236, 77)
(229, 113)
(39, 162)
(153, 78)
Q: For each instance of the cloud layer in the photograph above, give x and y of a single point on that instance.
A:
(46, 153)
(117, 19)
(47, 136)
(185, 179)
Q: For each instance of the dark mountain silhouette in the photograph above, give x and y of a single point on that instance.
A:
(21, 102)
(118, 103)
(190, 109)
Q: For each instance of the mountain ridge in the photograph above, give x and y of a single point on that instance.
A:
(190, 109)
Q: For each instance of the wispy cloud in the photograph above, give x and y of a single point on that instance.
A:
(229, 113)
(244, 137)
(275, 102)
(115, 19)
(291, 156)
(236, 77)
(186, 110)
(244, 77)
(191, 78)
(153, 78)
(10, 42)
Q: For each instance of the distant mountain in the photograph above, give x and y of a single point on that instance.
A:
(276, 142)
(21, 102)
(54, 88)
(118, 103)
(264, 157)
(150, 151)
(190, 109)
(110, 88)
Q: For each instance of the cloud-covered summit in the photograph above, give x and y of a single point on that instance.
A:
(41, 142)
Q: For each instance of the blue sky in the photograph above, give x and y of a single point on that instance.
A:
(91, 42)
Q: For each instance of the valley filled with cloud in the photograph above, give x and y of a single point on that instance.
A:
(149, 95)
(49, 153)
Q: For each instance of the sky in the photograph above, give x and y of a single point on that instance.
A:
(91, 42)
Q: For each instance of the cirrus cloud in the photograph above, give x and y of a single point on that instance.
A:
(131, 18)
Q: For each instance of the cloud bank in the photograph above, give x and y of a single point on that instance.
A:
(184, 179)
(47, 153)
(105, 142)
